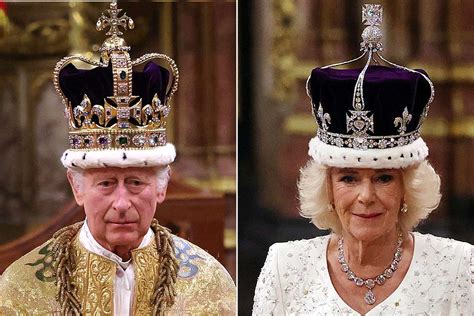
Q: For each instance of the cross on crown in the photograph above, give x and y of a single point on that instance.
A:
(114, 21)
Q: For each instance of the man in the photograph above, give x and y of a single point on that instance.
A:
(119, 261)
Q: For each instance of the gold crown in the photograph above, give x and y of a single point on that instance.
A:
(122, 121)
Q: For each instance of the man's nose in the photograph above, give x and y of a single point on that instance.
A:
(122, 197)
(366, 192)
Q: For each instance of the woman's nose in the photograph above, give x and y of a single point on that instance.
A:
(366, 192)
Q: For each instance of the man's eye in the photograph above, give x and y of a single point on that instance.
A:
(348, 179)
(385, 178)
(105, 184)
(135, 182)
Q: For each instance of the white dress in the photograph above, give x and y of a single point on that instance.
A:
(295, 281)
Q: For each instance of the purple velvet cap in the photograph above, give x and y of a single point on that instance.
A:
(386, 91)
(97, 83)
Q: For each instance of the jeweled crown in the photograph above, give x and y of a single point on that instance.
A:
(111, 106)
(369, 117)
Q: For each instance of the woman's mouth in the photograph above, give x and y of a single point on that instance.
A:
(368, 216)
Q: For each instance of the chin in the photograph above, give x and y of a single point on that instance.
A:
(124, 239)
(367, 234)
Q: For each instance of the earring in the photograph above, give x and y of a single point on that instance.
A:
(404, 208)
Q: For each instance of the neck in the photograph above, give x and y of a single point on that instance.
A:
(124, 252)
(369, 258)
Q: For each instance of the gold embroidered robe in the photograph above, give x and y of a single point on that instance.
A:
(203, 286)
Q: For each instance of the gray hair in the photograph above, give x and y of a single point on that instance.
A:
(422, 195)
(162, 177)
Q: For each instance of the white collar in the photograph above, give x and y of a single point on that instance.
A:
(88, 241)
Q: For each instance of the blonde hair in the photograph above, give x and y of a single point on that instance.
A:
(422, 195)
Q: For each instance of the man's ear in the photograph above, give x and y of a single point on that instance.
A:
(161, 194)
(78, 194)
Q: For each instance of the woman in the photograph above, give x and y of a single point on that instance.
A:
(369, 183)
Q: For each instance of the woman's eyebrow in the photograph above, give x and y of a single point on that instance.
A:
(344, 171)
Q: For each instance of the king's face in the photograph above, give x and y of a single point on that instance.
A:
(119, 204)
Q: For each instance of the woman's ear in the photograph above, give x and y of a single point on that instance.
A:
(329, 192)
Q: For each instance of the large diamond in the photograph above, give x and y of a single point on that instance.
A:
(369, 297)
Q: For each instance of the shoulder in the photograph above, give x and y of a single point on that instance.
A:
(442, 269)
(28, 283)
(193, 259)
(204, 285)
(298, 249)
(441, 246)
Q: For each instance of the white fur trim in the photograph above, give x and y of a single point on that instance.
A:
(398, 157)
(82, 159)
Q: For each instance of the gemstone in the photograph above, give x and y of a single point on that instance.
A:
(123, 125)
(394, 265)
(369, 297)
(359, 281)
(359, 124)
(123, 75)
(122, 140)
(350, 275)
(370, 283)
(103, 140)
(88, 141)
(75, 141)
(123, 113)
(122, 88)
(388, 273)
(340, 258)
(380, 279)
(139, 140)
(344, 267)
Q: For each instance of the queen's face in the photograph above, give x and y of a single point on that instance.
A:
(119, 204)
(367, 201)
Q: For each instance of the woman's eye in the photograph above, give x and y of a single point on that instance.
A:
(385, 178)
(348, 179)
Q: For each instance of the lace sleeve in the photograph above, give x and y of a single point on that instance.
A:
(268, 298)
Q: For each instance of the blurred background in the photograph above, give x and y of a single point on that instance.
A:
(280, 41)
(200, 36)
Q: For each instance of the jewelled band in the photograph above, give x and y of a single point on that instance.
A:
(367, 142)
(117, 139)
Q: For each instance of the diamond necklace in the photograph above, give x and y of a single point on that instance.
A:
(369, 283)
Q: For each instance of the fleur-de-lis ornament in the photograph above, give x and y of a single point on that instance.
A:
(403, 121)
(325, 118)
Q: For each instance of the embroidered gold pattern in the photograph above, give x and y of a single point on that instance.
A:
(93, 279)
(146, 276)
